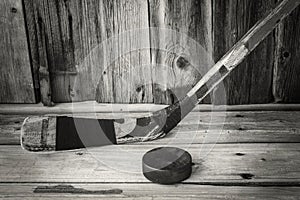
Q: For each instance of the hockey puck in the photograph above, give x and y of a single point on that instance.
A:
(167, 165)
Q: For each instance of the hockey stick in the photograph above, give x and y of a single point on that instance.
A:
(63, 133)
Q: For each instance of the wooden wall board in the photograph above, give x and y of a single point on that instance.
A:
(251, 82)
(182, 56)
(16, 83)
(286, 84)
(70, 35)
(69, 63)
(127, 73)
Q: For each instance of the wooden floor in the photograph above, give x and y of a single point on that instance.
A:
(254, 155)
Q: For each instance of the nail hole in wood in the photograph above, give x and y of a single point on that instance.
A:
(140, 88)
(246, 175)
(239, 115)
(263, 159)
(286, 54)
(13, 10)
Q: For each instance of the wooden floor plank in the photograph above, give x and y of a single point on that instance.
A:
(232, 164)
(200, 127)
(92, 106)
(148, 191)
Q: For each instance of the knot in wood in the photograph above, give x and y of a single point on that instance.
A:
(182, 62)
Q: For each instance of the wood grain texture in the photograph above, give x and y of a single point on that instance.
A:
(126, 75)
(198, 127)
(260, 164)
(94, 107)
(50, 40)
(181, 46)
(251, 82)
(151, 191)
(10, 129)
(286, 85)
(16, 84)
(67, 36)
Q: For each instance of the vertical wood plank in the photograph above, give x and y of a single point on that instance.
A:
(252, 81)
(127, 76)
(67, 36)
(286, 84)
(50, 49)
(179, 60)
(16, 84)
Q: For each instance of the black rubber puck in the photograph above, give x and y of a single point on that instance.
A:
(167, 165)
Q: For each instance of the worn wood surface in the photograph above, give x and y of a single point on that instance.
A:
(93, 107)
(201, 127)
(66, 39)
(255, 150)
(286, 86)
(127, 74)
(16, 83)
(251, 82)
(147, 191)
(233, 164)
(181, 46)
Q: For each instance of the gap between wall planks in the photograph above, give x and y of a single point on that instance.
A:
(74, 28)
(71, 29)
(16, 84)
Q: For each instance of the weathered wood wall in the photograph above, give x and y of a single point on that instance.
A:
(179, 60)
(271, 72)
(251, 82)
(16, 84)
(70, 62)
(286, 84)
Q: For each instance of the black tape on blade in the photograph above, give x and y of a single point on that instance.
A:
(74, 133)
